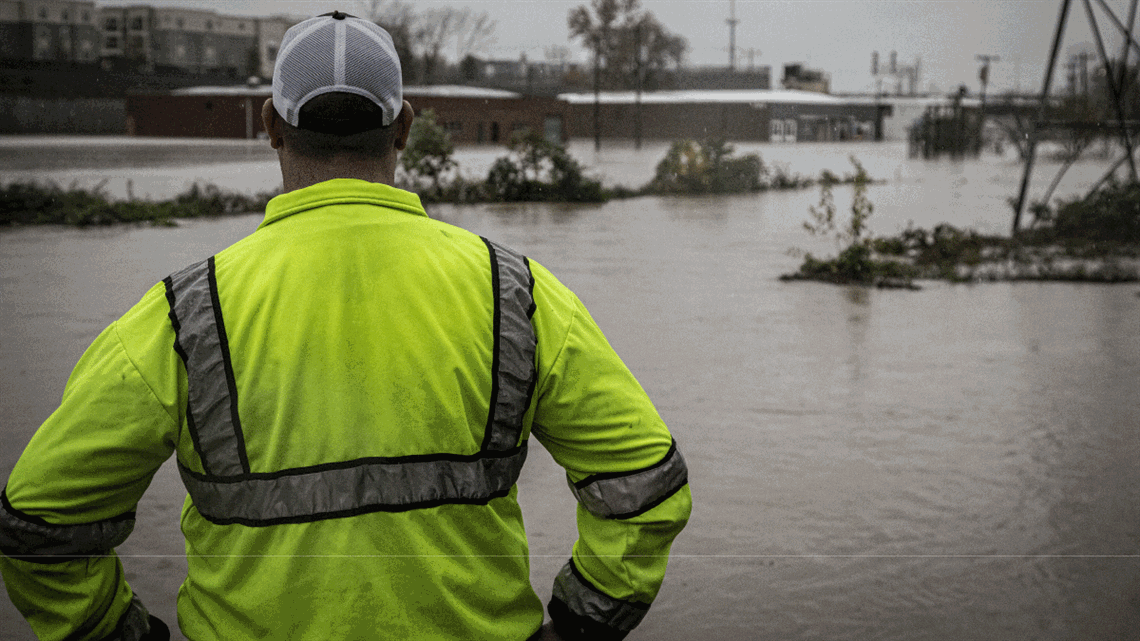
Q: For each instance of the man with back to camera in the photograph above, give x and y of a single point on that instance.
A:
(349, 392)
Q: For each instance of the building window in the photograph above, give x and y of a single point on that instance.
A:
(777, 133)
(209, 25)
(271, 53)
(111, 42)
(112, 24)
(136, 24)
(454, 127)
(63, 15)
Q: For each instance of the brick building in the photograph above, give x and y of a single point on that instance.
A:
(753, 115)
(471, 115)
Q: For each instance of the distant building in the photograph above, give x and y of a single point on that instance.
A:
(701, 78)
(522, 75)
(74, 48)
(800, 78)
(471, 115)
(741, 115)
(181, 41)
(270, 32)
(48, 32)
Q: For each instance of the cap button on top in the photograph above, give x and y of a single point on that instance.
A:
(339, 15)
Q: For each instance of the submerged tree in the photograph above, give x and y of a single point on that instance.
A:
(625, 40)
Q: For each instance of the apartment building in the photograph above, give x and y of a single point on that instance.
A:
(49, 31)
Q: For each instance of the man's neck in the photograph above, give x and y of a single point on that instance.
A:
(300, 172)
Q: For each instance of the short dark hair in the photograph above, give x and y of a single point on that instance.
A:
(339, 123)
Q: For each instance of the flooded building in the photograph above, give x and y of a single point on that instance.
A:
(471, 115)
(743, 115)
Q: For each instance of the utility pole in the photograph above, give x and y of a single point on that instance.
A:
(732, 21)
(984, 76)
(597, 94)
(637, 111)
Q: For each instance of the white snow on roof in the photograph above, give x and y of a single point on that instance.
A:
(236, 90)
(788, 96)
(917, 101)
(434, 91)
(458, 91)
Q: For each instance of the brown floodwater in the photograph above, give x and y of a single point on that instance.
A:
(961, 462)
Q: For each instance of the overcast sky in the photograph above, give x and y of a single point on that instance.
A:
(835, 36)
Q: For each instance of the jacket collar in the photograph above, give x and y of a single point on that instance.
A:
(341, 191)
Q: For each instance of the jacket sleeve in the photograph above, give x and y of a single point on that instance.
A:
(71, 498)
(624, 468)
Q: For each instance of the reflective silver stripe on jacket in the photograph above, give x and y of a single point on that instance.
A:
(201, 342)
(515, 345)
(301, 495)
(583, 599)
(30, 538)
(625, 495)
(227, 492)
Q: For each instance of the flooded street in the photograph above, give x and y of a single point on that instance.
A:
(959, 463)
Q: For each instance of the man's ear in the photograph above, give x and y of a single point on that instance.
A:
(404, 125)
(272, 123)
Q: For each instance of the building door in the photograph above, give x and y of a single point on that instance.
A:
(552, 129)
(790, 130)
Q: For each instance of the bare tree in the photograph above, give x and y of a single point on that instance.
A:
(402, 23)
(436, 28)
(624, 40)
(474, 32)
(420, 38)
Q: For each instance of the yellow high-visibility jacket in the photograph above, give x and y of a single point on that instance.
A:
(349, 392)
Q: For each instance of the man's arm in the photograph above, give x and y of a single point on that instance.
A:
(71, 497)
(626, 471)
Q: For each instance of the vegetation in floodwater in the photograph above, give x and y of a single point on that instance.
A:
(1094, 239)
(534, 170)
(537, 170)
(711, 167)
(31, 203)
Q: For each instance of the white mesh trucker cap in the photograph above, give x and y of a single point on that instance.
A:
(336, 52)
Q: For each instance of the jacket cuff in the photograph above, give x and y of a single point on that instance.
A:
(581, 611)
(139, 625)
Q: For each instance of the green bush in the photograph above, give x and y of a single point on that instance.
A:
(428, 154)
(691, 167)
(1110, 215)
(539, 170)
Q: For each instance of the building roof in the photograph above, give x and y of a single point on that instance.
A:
(704, 96)
(432, 91)
(237, 90)
(458, 91)
(917, 101)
